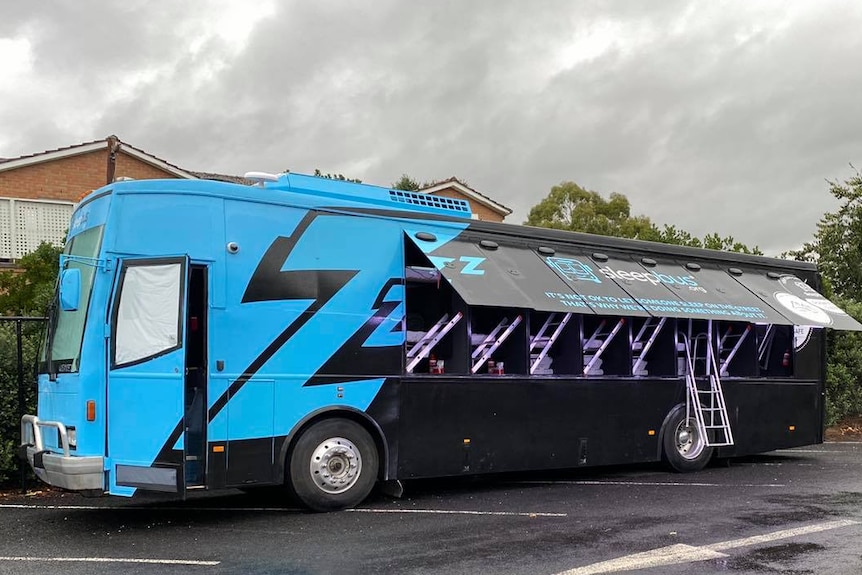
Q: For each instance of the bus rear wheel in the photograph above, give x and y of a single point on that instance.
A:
(684, 448)
(333, 465)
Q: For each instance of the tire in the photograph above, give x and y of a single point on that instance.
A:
(333, 465)
(683, 448)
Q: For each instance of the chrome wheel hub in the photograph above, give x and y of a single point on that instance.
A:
(335, 465)
(689, 442)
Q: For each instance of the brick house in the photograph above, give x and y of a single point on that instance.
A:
(483, 207)
(38, 191)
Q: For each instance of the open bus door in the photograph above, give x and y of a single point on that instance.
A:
(156, 384)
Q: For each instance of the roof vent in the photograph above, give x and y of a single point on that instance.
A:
(441, 202)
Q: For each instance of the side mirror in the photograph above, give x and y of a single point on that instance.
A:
(70, 289)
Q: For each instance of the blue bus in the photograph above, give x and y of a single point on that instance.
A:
(325, 336)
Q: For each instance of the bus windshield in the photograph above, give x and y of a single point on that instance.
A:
(67, 327)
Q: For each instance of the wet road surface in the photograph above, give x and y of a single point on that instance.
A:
(786, 512)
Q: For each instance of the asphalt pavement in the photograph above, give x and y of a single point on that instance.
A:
(787, 512)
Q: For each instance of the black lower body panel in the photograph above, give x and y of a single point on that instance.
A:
(772, 415)
(468, 425)
(437, 426)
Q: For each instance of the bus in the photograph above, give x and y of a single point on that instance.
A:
(327, 336)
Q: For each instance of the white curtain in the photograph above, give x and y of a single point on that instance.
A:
(149, 310)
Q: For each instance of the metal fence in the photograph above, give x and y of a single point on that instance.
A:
(20, 339)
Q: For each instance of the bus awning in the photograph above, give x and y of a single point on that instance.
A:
(669, 289)
(488, 274)
(706, 292)
(487, 271)
(800, 303)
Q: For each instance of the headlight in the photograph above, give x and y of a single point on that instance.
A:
(72, 435)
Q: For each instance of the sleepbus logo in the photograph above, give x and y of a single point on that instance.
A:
(651, 277)
(80, 219)
(573, 270)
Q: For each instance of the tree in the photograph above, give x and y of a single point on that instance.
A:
(837, 249)
(407, 184)
(28, 291)
(339, 177)
(844, 368)
(715, 242)
(837, 244)
(571, 207)
(10, 418)
(671, 235)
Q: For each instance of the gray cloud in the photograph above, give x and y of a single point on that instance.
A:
(723, 118)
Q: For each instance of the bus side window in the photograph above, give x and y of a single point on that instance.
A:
(434, 323)
(775, 350)
(555, 343)
(606, 346)
(498, 340)
(654, 346)
(736, 349)
(148, 310)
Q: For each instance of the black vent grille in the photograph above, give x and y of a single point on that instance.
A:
(429, 200)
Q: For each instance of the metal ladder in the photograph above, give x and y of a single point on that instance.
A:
(727, 353)
(641, 347)
(492, 341)
(705, 399)
(765, 347)
(424, 346)
(546, 341)
(595, 339)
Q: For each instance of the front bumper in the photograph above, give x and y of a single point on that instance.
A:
(77, 473)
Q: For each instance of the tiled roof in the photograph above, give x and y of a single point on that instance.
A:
(86, 147)
(63, 149)
(493, 204)
(224, 178)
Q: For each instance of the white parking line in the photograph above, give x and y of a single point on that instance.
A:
(785, 534)
(133, 508)
(671, 555)
(457, 512)
(651, 483)
(679, 554)
(277, 510)
(818, 451)
(114, 560)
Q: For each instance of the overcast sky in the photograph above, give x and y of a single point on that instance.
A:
(714, 116)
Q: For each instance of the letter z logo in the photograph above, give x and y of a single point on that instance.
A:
(469, 265)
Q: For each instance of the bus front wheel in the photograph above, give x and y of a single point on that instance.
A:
(684, 448)
(333, 465)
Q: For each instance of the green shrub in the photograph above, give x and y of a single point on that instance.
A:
(844, 369)
(10, 421)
